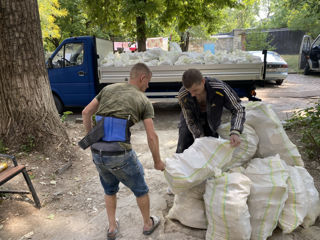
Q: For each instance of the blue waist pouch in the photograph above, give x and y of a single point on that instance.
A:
(115, 129)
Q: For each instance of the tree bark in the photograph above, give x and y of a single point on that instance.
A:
(141, 33)
(27, 108)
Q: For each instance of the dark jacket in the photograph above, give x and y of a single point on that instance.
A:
(219, 95)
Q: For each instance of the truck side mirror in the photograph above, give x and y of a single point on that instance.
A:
(49, 63)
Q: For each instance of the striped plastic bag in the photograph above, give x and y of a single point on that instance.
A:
(269, 191)
(203, 159)
(313, 207)
(272, 137)
(226, 207)
(295, 209)
(189, 209)
(247, 148)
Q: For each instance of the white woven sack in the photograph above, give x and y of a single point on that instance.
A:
(272, 137)
(313, 207)
(248, 146)
(295, 209)
(226, 207)
(200, 161)
(189, 209)
(269, 191)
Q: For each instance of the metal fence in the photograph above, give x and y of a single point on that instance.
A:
(286, 41)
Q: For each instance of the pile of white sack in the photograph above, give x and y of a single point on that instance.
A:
(158, 56)
(244, 192)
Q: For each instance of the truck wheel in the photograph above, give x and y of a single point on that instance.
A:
(306, 69)
(279, 81)
(58, 104)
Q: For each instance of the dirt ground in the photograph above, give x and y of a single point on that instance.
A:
(72, 200)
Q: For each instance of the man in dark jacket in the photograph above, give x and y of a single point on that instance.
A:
(202, 101)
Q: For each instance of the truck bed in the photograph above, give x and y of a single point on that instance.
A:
(167, 74)
(166, 80)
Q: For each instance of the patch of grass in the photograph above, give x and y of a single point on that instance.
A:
(307, 122)
(293, 62)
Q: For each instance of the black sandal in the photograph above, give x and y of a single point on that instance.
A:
(156, 223)
(113, 235)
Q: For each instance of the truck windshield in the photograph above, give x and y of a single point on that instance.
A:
(71, 54)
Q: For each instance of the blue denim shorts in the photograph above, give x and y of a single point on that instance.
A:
(125, 168)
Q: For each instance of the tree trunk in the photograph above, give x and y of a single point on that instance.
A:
(184, 41)
(27, 109)
(141, 33)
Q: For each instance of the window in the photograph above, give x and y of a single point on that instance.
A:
(70, 54)
(317, 42)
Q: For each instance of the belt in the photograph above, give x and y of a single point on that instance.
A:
(105, 153)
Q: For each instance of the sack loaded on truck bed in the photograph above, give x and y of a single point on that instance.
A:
(77, 72)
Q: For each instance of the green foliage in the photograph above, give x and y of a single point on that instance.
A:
(3, 148)
(49, 11)
(31, 175)
(296, 15)
(258, 40)
(29, 144)
(243, 16)
(71, 20)
(292, 61)
(196, 12)
(160, 17)
(305, 18)
(307, 122)
(64, 115)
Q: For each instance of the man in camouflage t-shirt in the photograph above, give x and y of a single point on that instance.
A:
(116, 161)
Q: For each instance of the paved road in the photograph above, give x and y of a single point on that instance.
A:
(297, 92)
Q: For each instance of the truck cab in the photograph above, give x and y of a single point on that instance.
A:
(72, 70)
(309, 58)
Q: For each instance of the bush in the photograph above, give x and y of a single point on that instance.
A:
(307, 121)
(257, 40)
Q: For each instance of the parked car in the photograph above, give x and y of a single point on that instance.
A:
(277, 67)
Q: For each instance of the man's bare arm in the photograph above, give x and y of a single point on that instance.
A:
(87, 113)
(153, 143)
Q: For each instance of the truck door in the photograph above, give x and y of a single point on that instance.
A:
(304, 51)
(315, 53)
(69, 76)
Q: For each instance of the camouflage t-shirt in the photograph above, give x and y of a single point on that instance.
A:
(121, 100)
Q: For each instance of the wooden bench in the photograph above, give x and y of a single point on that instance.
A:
(13, 171)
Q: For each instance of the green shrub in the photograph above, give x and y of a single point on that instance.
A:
(307, 121)
(65, 114)
(258, 40)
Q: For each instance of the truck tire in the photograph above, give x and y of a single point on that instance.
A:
(306, 69)
(58, 104)
(279, 81)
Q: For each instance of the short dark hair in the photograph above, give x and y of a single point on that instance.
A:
(138, 69)
(190, 77)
